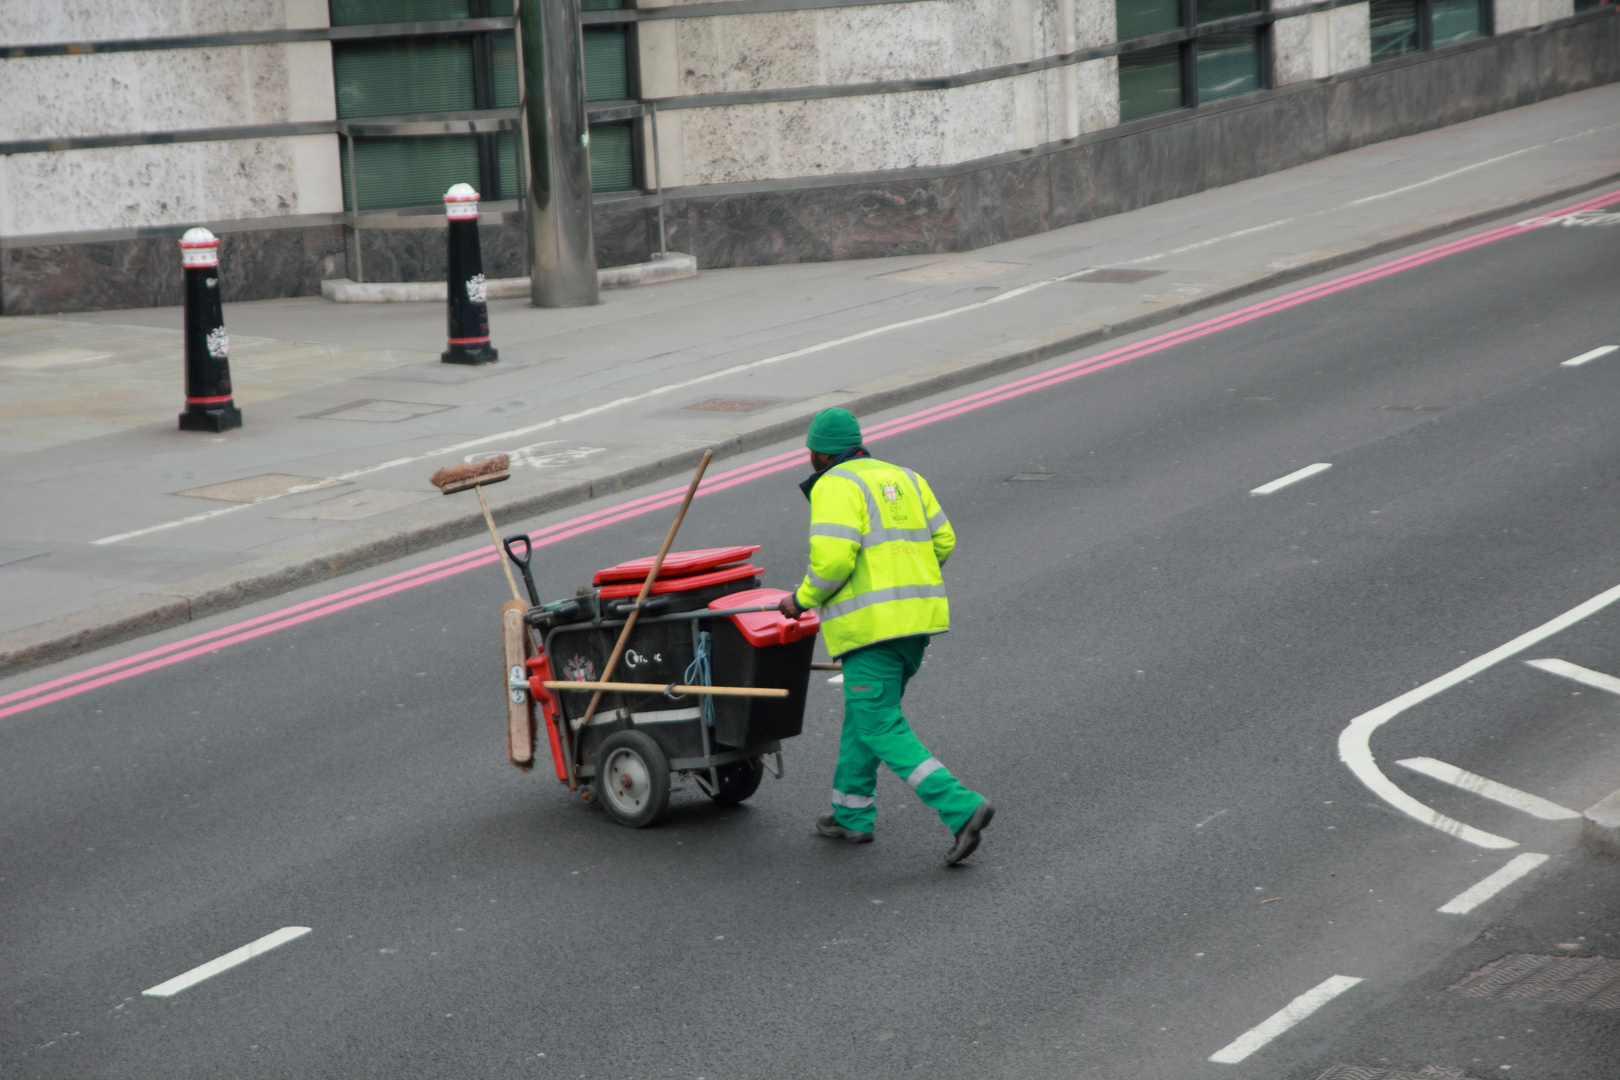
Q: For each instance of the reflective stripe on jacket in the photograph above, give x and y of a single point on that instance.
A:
(877, 540)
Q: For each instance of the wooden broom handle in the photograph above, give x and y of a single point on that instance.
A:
(646, 586)
(659, 688)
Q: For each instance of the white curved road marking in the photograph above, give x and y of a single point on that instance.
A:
(1354, 740)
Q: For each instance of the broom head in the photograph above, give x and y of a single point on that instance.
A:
(473, 474)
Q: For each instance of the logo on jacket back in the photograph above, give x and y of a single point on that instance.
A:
(891, 492)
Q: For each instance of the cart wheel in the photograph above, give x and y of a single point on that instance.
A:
(738, 780)
(632, 778)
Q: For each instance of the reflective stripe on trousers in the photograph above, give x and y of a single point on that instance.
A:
(923, 771)
(856, 802)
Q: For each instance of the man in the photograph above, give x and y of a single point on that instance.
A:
(877, 539)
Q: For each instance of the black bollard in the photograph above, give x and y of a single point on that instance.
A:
(208, 367)
(468, 295)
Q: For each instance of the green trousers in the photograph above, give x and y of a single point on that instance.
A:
(875, 730)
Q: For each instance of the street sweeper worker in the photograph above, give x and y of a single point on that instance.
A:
(877, 540)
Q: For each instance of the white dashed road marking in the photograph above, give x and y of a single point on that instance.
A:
(226, 962)
(1490, 789)
(1601, 350)
(1292, 478)
(1471, 898)
(1595, 679)
(1283, 1019)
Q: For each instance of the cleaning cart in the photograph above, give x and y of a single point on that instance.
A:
(707, 684)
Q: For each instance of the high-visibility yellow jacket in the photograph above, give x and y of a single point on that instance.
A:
(877, 540)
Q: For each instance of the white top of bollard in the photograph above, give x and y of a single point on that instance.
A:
(199, 247)
(461, 202)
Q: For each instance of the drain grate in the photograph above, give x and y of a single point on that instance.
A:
(1592, 981)
(731, 404)
(1362, 1072)
(1114, 276)
(1025, 477)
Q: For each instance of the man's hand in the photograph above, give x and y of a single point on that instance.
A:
(790, 607)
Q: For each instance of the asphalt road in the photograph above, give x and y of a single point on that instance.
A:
(1149, 671)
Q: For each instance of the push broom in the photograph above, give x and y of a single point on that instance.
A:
(474, 475)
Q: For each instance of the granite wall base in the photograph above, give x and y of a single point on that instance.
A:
(1135, 165)
(145, 272)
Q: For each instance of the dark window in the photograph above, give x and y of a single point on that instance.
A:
(1149, 82)
(609, 76)
(461, 73)
(1394, 28)
(1211, 67)
(1398, 27)
(607, 64)
(1457, 20)
(415, 76)
(1228, 64)
(1139, 18)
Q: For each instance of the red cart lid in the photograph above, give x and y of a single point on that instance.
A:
(766, 628)
(676, 564)
(626, 589)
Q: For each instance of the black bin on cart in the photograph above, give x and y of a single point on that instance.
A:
(635, 741)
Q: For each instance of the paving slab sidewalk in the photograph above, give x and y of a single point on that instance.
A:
(116, 524)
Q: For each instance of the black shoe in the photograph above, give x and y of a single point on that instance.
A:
(827, 825)
(967, 841)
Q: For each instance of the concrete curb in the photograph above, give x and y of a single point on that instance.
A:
(1600, 825)
(210, 594)
(670, 267)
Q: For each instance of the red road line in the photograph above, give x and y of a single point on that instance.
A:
(201, 644)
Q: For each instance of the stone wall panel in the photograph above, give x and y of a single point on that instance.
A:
(143, 91)
(142, 186)
(30, 22)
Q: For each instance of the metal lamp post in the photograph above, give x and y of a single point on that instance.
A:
(556, 139)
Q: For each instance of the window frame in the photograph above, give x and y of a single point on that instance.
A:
(1423, 14)
(1187, 35)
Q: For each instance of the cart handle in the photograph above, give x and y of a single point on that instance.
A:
(659, 688)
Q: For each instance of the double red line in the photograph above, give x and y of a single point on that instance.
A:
(153, 659)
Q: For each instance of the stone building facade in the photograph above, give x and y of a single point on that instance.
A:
(312, 135)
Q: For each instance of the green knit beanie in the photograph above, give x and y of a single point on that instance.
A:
(833, 431)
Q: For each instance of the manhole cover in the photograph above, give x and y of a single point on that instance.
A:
(1591, 981)
(257, 488)
(1114, 276)
(378, 411)
(731, 404)
(1363, 1072)
(1025, 477)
